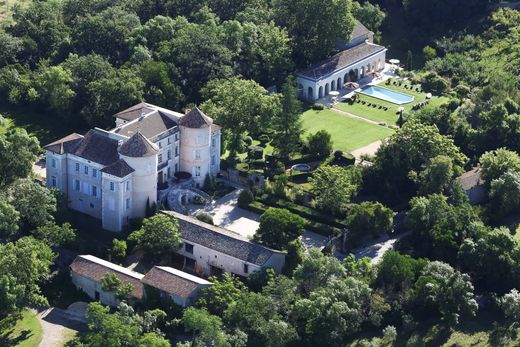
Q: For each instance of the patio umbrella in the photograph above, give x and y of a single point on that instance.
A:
(429, 96)
(334, 93)
(394, 61)
(351, 85)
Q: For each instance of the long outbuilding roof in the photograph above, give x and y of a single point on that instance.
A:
(341, 60)
(173, 281)
(221, 240)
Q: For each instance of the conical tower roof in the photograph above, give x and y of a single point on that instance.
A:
(195, 118)
(138, 146)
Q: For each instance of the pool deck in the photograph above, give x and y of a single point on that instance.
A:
(379, 93)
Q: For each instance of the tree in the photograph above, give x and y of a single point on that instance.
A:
(224, 291)
(207, 329)
(205, 217)
(510, 305)
(398, 272)
(9, 48)
(436, 177)
(239, 106)
(429, 53)
(409, 61)
(495, 163)
(369, 15)
(9, 219)
(314, 26)
(55, 235)
(319, 144)
(278, 227)
(316, 270)
(54, 86)
(504, 192)
(36, 204)
(122, 328)
(119, 248)
(158, 236)
(23, 265)
(333, 186)
(447, 290)
(287, 123)
(245, 198)
(440, 227)
(369, 218)
(294, 257)
(17, 154)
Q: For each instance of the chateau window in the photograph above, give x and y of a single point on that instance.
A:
(213, 142)
(246, 268)
(169, 140)
(160, 158)
(127, 186)
(188, 247)
(85, 170)
(77, 167)
(197, 171)
(160, 144)
(197, 154)
(94, 173)
(198, 139)
(112, 186)
(169, 154)
(76, 185)
(127, 203)
(177, 137)
(176, 151)
(94, 191)
(53, 181)
(53, 162)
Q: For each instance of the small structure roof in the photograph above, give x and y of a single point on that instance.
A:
(173, 281)
(359, 30)
(95, 268)
(341, 60)
(119, 169)
(97, 147)
(221, 240)
(66, 144)
(195, 118)
(150, 125)
(470, 179)
(135, 111)
(138, 146)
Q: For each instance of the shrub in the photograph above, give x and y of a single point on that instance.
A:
(320, 144)
(318, 107)
(255, 152)
(435, 84)
(343, 159)
(248, 140)
(205, 217)
(462, 91)
(297, 194)
(245, 198)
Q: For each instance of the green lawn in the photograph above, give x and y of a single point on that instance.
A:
(347, 133)
(24, 332)
(390, 116)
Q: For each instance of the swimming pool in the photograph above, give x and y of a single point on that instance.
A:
(387, 95)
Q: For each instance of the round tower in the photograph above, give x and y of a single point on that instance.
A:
(141, 155)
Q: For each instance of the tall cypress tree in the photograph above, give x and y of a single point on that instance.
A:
(287, 124)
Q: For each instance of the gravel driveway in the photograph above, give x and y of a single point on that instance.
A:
(59, 325)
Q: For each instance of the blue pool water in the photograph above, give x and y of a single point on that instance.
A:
(387, 95)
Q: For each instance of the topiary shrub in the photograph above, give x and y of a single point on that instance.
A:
(245, 198)
(318, 107)
(205, 217)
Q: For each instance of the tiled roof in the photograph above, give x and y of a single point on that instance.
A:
(359, 30)
(215, 128)
(221, 240)
(173, 281)
(135, 111)
(470, 179)
(151, 125)
(96, 268)
(342, 60)
(119, 169)
(138, 146)
(65, 145)
(195, 118)
(97, 147)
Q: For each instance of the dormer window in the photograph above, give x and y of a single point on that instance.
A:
(112, 187)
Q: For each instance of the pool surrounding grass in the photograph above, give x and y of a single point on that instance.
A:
(388, 95)
(391, 116)
(347, 133)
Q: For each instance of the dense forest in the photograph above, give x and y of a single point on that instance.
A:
(78, 62)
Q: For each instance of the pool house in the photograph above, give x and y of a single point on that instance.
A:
(358, 57)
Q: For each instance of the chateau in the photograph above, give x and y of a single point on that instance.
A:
(114, 175)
